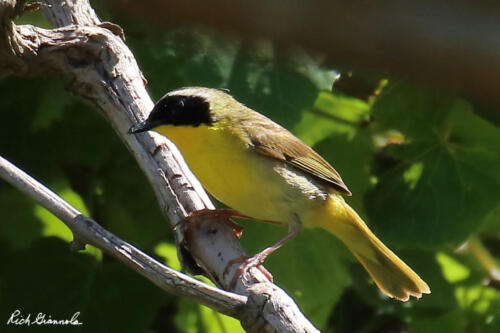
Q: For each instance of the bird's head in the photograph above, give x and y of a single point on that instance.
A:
(191, 106)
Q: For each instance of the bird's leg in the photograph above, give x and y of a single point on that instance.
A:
(222, 215)
(255, 261)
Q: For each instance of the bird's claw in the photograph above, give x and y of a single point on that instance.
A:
(246, 263)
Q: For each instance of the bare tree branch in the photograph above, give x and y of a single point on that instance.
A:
(101, 69)
(88, 231)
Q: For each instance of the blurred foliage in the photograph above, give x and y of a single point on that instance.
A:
(423, 166)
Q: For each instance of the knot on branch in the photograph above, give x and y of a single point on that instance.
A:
(78, 243)
(9, 10)
(253, 320)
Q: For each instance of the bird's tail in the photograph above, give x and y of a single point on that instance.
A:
(390, 273)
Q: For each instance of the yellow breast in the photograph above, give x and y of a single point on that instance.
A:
(233, 173)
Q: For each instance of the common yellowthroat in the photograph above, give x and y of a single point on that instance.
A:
(263, 171)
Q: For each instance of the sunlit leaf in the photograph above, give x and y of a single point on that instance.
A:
(331, 115)
(169, 252)
(453, 271)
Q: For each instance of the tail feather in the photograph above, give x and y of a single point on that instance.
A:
(390, 273)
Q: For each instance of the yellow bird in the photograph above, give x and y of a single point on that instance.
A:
(263, 171)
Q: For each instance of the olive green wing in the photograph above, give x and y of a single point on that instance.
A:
(272, 140)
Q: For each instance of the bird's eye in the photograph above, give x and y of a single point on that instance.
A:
(177, 106)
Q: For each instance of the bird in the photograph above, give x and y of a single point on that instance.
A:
(264, 172)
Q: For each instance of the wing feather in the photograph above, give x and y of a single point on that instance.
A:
(272, 140)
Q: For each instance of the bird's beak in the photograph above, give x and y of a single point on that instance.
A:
(141, 127)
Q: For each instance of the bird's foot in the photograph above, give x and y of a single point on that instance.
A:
(247, 263)
(222, 215)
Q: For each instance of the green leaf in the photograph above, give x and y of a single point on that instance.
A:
(331, 115)
(444, 182)
(215, 322)
(194, 318)
(417, 112)
(350, 156)
(453, 321)
(169, 252)
(267, 81)
(453, 270)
